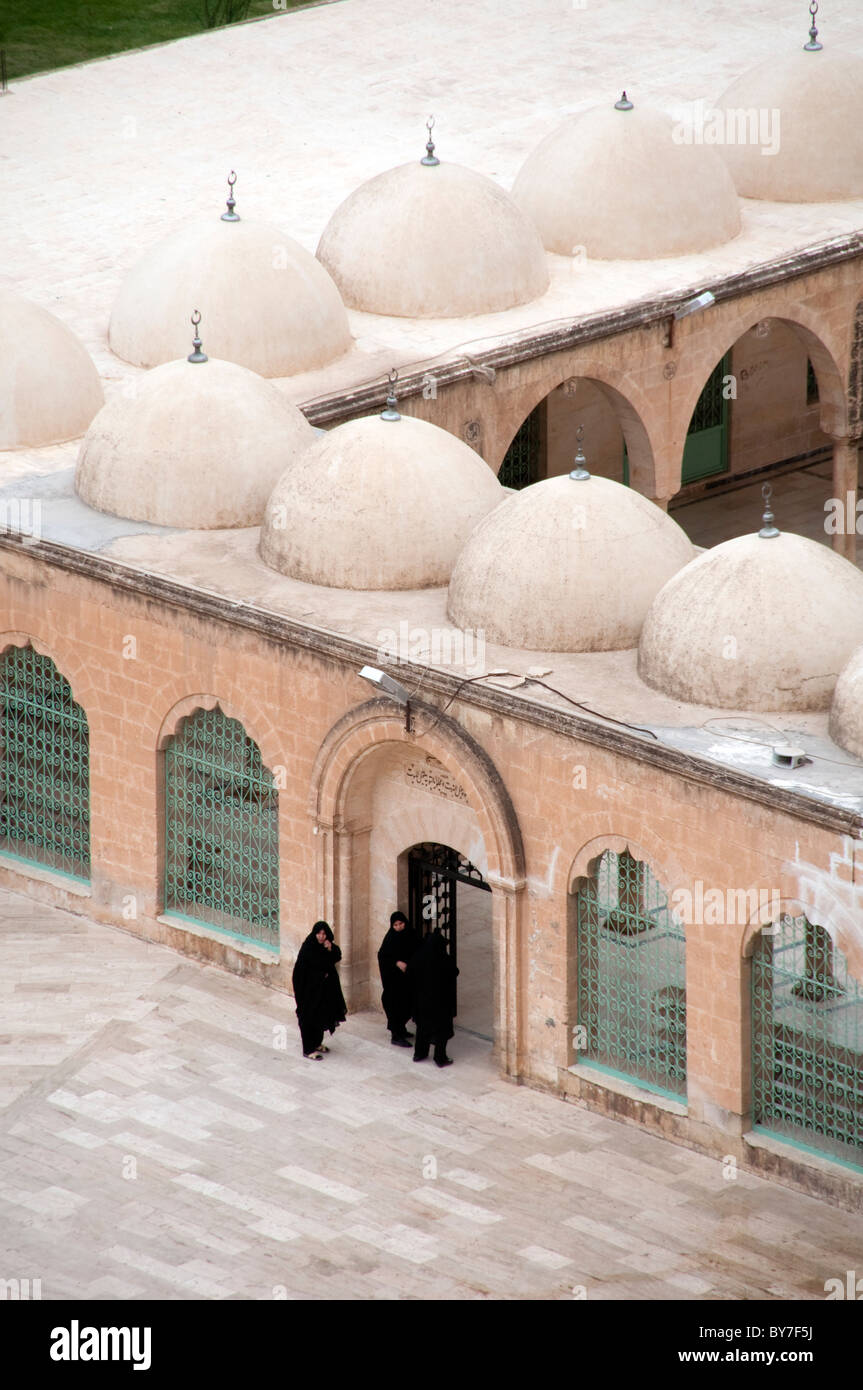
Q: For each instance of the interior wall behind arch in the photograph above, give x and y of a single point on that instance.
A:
(401, 796)
(575, 403)
(771, 420)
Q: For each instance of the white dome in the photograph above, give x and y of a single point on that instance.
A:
(377, 504)
(49, 387)
(755, 624)
(265, 302)
(846, 712)
(198, 446)
(618, 185)
(437, 241)
(814, 103)
(566, 565)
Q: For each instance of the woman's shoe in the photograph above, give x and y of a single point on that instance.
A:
(313, 1056)
(323, 1048)
(444, 1062)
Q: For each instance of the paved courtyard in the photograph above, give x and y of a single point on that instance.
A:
(161, 1137)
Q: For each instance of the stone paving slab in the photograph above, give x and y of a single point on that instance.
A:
(167, 1144)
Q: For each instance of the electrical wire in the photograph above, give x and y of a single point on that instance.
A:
(535, 681)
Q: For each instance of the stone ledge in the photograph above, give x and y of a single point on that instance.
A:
(819, 1177)
(233, 943)
(25, 870)
(628, 1089)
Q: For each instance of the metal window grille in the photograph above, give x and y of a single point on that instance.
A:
(45, 810)
(807, 1042)
(221, 830)
(632, 977)
(710, 407)
(520, 466)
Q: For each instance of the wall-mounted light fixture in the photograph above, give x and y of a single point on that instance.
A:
(388, 686)
(691, 306)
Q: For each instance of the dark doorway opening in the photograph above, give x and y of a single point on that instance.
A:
(437, 877)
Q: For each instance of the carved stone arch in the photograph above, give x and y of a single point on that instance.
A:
(629, 403)
(256, 724)
(641, 846)
(841, 925)
(355, 748)
(69, 663)
(704, 353)
(365, 728)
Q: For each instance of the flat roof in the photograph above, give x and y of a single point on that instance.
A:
(101, 160)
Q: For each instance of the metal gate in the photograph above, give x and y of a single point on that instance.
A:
(221, 830)
(45, 809)
(807, 1042)
(434, 872)
(631, 977)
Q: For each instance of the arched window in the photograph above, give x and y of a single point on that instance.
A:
(221, 830)
(631, 977)
(807, 1041)
(45, 811)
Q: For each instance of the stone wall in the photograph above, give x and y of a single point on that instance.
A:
(532, 806)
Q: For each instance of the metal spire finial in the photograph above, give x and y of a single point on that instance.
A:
(624, 104)
(197, 355)
(230, 215)
(768, 530)
(391, 413)
(813, 45)
(430, 156)
(579, 473)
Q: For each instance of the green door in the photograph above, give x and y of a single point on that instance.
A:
(706, 449)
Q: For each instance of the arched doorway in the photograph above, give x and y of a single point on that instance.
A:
(374, 795)
(445, 890)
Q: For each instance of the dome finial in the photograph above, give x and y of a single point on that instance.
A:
(391, 413)
(813, 45)
(197, 355)
(430, 156)
(230, 215)
(579, 473)
(624, 104)
(768, 530)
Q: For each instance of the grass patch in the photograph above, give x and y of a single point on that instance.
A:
(40, 35)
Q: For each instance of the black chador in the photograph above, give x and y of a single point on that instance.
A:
(317, 991)
(432, 974)
(394, 955)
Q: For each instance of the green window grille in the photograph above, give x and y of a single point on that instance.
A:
(45, 810)
(631, 977)
(807, 1042)
(520, 466)
(221, 830)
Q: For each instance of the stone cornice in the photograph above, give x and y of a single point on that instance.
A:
(569, 334)
(277, 628)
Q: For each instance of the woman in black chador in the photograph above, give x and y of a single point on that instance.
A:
(317, 991)
(394, 955)
(432, 974)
